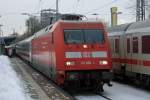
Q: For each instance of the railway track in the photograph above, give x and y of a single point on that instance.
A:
(87, 95)
(107, 98)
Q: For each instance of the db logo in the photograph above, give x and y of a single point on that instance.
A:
(86, 54)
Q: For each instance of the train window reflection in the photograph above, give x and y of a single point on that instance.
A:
(73, 36)
(84, 36)
(145, 44)
(117, 45)
(94, 36)
(135, 44)
(128, 45)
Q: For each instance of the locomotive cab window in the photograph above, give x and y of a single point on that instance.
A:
(94, 36)
(83, 36)
(73, 36)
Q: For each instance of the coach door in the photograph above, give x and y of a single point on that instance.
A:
(136, 63)
(116, 54)
(117, 46)
(128, 52)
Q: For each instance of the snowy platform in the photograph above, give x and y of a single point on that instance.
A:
(10, 85)
(21, 82)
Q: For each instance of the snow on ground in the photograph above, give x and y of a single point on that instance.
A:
(126, 92)
(119, 92)
(89, 97)
(11, 87)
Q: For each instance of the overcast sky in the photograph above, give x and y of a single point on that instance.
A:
(11, 18)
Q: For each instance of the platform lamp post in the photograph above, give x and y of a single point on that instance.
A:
(0, 27)
(1, 42)
(57, 10)
(1, 30)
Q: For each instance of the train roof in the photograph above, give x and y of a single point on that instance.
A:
(118, 28)
(141, 26)
(79, 21)
(49, 27)
(72, 17)
(27, 39)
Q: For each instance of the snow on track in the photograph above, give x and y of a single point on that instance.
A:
(11, 87)
(89, 97)
(126, 92)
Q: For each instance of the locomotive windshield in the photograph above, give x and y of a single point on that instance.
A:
(83, 36)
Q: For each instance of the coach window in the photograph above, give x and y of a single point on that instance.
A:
(52, 39)
(135, 44)
(145, 44)
(117, 45)
(128, 45)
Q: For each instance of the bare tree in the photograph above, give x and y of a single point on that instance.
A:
(33, 25)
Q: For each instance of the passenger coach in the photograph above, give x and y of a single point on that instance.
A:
(131, 51)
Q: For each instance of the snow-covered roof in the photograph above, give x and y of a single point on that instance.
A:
(119, 28)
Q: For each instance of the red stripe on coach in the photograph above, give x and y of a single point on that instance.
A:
(146, 63)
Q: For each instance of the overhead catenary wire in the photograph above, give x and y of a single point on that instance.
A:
(102, 7)
(53, 4)
(20, 13)
(77, 5)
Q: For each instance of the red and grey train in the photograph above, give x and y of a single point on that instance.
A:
(131, 51)
(70, 52)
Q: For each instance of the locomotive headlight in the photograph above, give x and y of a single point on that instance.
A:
(103, 62)
(84, 46)
(70, 63)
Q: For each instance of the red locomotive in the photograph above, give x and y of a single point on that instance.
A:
(70, 52)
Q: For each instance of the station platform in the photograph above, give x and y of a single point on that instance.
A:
(37, 85)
